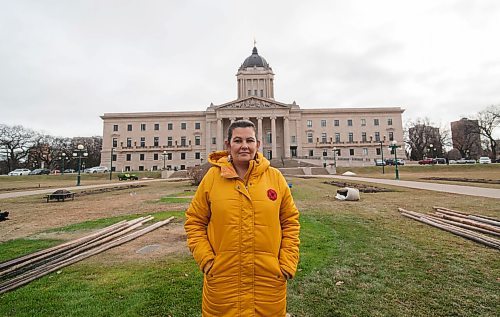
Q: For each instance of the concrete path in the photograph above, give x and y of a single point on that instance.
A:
(446, 188)
(74, 188)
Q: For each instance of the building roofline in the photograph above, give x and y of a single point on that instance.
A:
(152, 114)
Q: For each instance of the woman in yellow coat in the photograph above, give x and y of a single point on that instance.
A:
(243, 230)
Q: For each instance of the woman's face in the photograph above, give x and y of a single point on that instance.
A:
(243, 145)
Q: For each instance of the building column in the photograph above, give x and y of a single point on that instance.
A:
(259, 132)
(273, 136)
(208, 138)
(220, 137)
(286, 141)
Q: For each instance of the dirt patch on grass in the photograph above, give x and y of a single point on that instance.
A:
(169, 240)
(31, 215)
(463, 179)
(361, 187)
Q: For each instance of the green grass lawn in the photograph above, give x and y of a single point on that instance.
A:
(357, 259)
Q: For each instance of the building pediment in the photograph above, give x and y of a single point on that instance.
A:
(253, 103)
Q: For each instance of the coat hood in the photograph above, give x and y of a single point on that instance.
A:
(219, 159)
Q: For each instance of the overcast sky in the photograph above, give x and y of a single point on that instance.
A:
(65, 63)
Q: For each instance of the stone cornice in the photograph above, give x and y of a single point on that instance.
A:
(139, 115)
(354, 110)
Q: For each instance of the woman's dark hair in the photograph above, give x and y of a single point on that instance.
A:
(238, 124)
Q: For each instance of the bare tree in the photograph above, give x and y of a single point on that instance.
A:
(15, 143)
(47, 151)
(423, 139)
(488, 121)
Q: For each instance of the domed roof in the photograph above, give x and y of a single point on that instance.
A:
(255, 60)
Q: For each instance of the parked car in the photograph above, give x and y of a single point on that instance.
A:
(452, 161)
(439, 160)
(97, 169)
(393, 162)
(484, 160)
(379, 162)
(19, 172)
(426, 161)
(40, 171)
(69, 170)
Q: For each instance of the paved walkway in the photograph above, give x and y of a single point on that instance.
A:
(446, 188)
(74, 188)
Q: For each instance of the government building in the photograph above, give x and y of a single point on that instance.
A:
(178, 140)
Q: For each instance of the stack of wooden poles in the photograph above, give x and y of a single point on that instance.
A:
(20, 271)
(478, 228)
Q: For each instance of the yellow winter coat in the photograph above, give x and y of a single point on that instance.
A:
(250, 229)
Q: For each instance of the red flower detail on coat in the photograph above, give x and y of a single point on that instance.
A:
(271, 193)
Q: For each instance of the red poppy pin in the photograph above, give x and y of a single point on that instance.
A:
(271, 193)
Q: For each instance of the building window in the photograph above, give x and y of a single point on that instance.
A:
(143, 141)
(155, 157)
(311, 153)
(255, 92)
(157, 126)
(336, 123)
(293, 139)
(156, 141)
(363, 136)
(309, 123)
(170, 126)
(169, 156)
(129, 127)
(365, 151)
(197, 140)
(183, 167)
(375, 122)
(129, 157)
(143, 127)
(113, 157)
(197, 155)
(391, 136)
(249, 92)
(183, 125)
(351, 152)
(183, 156)
(141, 156)
(309, 137)
(337, 137)
(129, 142)
(323, 123)
(141, 168)
(363, 122)
(115, 127)
(378, 151)
(323, 137)
(269, 137)
(389, 121)
(214, 140)
(183, 141)
(127, 168)
(377, 136)
(197, 126)
(115, 142)
(351, 137)
(349, 122)
(155, 168)
(169, 141)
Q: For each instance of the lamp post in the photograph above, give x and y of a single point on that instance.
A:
(431, 147)
(393, 146)
(62, 158)
(80, 153)
(164, 154)
(382, 157)
(111, 164)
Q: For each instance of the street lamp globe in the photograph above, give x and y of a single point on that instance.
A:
(80, 147)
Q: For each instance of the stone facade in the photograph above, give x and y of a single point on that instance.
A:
(178, 140)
